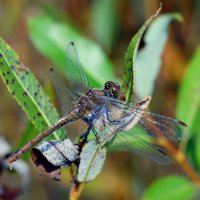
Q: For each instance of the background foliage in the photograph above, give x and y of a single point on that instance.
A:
(39, 33)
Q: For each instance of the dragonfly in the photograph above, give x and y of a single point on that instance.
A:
(112, 121)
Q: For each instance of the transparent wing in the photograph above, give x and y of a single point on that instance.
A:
(77, 80)
(159, 126)
(138, 142)
(142, 137)
(74, 72)
(65, 96)
(156, 125)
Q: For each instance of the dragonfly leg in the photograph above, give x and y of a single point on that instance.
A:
(84, 135)
(95, 133)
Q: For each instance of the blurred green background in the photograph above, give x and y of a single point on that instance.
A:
(30, 26)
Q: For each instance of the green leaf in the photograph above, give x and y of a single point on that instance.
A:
(188, 102)
(92, 159)
(51, 38)
(171, 187)
(104, 11)
(24, 87)
(130, 58)
(148, 61)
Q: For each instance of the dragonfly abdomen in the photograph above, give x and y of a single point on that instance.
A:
(71, 116)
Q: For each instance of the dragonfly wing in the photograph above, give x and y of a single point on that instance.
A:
(76, 77)
(65, 96)
(138, 131)
(156, 125)
(142, 138)
(74, 72)
(135, 139)
(159, 126)
(138, 142)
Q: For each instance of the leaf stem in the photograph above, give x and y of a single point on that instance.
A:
(180, 159)
(76, 190)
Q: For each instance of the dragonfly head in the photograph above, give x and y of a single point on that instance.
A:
(111, 89)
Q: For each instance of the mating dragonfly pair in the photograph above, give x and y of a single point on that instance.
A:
(112, 121)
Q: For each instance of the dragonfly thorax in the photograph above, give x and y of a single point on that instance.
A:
(86, 101)
(90, 93)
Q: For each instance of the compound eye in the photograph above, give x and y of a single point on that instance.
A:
(107, 86)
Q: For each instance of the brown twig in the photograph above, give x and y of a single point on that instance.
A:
(76, 190)
(176, 153)
(181, 160)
